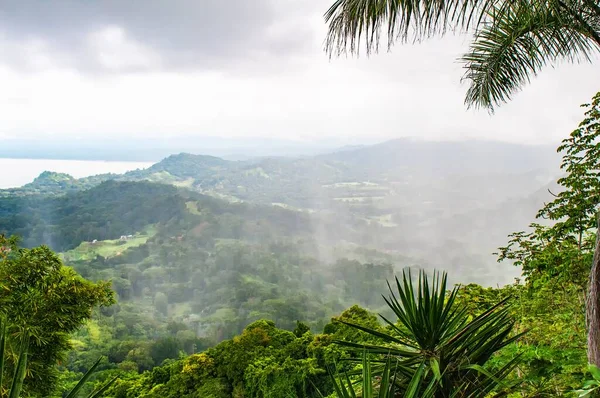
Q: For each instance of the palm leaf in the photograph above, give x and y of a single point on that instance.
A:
(98, 393)
(518, 42)
(354, 21)
(513, 39)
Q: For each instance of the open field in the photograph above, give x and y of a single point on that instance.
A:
(108, 248)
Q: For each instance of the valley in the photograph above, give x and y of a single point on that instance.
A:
(208, 246)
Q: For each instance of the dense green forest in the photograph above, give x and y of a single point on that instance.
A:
(182, 294)
(221, 299)
(455, 211)
(361, 273)
(213, 298)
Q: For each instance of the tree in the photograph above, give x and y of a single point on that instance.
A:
(43, 301)
(574, 211)
(300, 329)
(161, 303)
(164, 348)
(513, 39)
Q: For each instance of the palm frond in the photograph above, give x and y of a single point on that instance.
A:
(354, 21)
(514, 39)
(517, 41)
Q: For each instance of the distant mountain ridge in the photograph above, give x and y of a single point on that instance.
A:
(449, 156)
(393, 168)
(439, 201)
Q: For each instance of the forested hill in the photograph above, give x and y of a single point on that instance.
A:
(304, 182)
(106, 211)
(118, 208)
(413, 198)
(197, 247)
(191, 270)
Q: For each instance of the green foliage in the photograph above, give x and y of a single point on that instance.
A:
(55, 184)
(342, 326)
(301, 328)
(197, 276)
(164, 348)
(44, 301)
(563, 251)
(261, 362)
(161, 303)
(96, 393)
(556, 260)
(574, 208)
(104, 212)
(591, 386)
(20, 369)
(384, 386)
(436, 346)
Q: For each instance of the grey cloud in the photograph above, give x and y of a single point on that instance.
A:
(202, 34)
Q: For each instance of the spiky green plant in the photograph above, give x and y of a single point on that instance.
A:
(16, 384)
(434, 349)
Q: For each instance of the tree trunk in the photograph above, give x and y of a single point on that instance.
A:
(593, 302)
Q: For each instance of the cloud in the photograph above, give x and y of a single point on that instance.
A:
(115, 51)
(241, 68)
(180, 33)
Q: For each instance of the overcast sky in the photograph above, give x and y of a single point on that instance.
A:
(91, 68)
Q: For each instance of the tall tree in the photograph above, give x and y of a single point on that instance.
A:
(43, 302)
(574, 212)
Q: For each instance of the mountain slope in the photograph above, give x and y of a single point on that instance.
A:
(449, 204)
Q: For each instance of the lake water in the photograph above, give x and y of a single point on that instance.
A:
(18, 172)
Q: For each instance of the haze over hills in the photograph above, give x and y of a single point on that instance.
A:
(444, 204)
(223, 199)
(154, 148)
(197, 247)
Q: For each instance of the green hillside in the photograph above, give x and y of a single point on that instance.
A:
(451, 214)
(229, 297)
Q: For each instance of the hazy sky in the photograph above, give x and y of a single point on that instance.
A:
(92, 68)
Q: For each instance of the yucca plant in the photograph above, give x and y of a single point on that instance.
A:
(385, 387)
(16, 384)
(434, 349)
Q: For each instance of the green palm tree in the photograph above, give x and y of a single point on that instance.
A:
(513, 39)
(433, 349)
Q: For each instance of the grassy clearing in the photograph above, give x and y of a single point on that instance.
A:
(293, 208)
(258, 171)
(187, 183)
(108, 248)
(192, 207)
